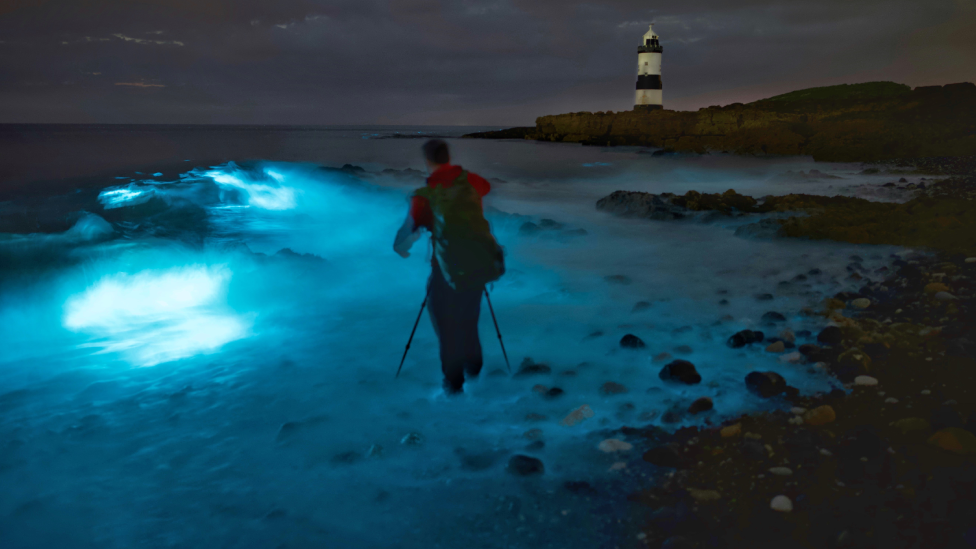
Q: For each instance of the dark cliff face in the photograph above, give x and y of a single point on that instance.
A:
(863, 122)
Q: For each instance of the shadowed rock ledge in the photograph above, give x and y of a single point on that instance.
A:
(942, 217)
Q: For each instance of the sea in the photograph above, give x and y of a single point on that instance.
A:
(200, 329)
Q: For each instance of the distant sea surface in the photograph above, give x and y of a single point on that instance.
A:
(45, 158)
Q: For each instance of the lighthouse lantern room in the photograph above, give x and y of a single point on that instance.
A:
(649, 89)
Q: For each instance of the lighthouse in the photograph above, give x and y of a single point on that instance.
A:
(649, 89)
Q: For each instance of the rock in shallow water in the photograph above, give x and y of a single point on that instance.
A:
(611, 388)
(630, 341)
(412, 439)
(765, 384)
(745, 337)
(576, 416)
(523, 465)
(612, 445)
(680, 371)
(777, 347)
(703, 404)
(529, 367)
(773, 317)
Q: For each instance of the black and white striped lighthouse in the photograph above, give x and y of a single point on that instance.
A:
(649, 89)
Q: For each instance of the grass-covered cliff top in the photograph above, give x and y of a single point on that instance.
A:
(869, 91)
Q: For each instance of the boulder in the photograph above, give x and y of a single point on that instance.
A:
(703, 404)
(955, 440)
(765, 384)
(680, 371)
(820, 415)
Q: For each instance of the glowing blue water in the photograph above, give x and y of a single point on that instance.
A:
(209, 361)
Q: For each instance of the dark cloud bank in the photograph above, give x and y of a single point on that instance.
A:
(439, 62)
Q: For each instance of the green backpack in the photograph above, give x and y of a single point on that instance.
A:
(464, 247)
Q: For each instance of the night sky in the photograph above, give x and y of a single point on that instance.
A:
(449, 62)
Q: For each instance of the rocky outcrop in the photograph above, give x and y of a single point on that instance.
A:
(863, 122)
(941, 217)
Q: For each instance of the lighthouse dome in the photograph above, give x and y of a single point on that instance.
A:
(650, 34)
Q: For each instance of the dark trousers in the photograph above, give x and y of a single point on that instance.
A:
(454, 315)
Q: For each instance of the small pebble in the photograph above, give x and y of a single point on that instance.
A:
(944, 296)
(891, 400)
(928, 359)
(781, 471)
(794, 358)
(781, 504)
(926, 392)
(861, 303)
(826, 452)
(865, 380)
(798, 411)
(777, 347)
(971, 260)
(611, 445)
(731, 430)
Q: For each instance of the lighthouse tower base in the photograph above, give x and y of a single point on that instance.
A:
(648, 107)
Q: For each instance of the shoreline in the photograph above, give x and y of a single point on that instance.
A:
(890, 460)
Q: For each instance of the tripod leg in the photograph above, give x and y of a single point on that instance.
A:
(499, 332)
(412, 332)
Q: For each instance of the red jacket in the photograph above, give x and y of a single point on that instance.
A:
(444, 176)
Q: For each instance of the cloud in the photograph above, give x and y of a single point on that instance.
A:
(144, 41)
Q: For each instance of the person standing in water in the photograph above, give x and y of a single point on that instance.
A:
(466, 258)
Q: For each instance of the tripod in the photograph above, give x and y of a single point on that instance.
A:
(415, 324)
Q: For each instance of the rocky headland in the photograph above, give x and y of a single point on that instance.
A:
(860, 122)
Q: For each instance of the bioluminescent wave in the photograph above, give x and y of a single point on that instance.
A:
(118, 197)
(158, 316)
(265, 192)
